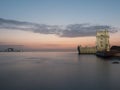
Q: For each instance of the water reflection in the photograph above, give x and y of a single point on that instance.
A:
(57, 70)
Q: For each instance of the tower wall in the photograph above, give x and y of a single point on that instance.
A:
(102, 41)
(102, 44)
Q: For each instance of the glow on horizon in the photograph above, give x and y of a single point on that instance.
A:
(50, 41)
(36, 40)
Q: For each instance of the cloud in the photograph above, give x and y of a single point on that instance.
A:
(71, 30)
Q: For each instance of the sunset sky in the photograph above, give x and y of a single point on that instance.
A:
(57, 24)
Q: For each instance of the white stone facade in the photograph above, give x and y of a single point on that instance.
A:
(87, 50)
(102, 43)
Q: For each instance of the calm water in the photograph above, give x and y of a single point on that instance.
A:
(57, 71)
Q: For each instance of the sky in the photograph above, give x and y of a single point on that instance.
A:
(57, 24)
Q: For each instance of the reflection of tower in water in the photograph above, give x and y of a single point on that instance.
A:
(103, 74)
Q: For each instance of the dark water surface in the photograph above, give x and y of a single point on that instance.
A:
(57, 71)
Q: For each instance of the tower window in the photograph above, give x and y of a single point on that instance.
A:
(101, 35)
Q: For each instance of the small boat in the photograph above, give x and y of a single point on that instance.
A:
(116, 62)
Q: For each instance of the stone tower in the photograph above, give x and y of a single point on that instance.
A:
(102, 41)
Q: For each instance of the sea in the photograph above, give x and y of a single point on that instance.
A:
(57, 71)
